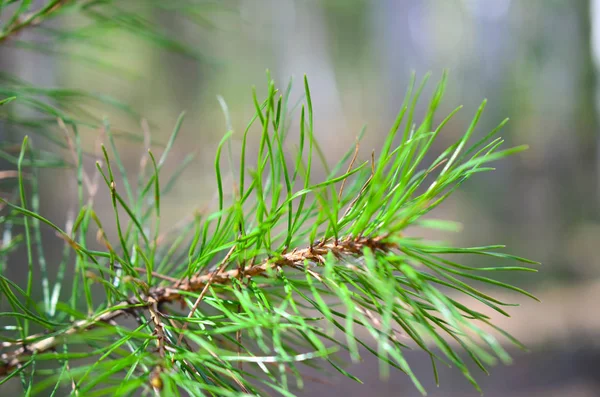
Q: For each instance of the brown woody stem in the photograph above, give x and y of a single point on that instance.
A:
(41, 343)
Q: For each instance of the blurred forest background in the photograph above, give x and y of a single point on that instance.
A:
(537, 61)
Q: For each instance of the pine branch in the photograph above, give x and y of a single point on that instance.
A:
(300, 259)
(248, 291)
(25, 20)
(73, 41)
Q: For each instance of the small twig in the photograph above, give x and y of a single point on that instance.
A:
(30, 19)
(8, 174)
(435, 166)
(358, 196)
(156, 274)
(349, 169)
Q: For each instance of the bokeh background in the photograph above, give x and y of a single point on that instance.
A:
(536, 61)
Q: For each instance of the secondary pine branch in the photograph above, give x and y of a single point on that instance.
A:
(32, 19)
(297, 258)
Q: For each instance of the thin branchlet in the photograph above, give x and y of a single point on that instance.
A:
(32, 19)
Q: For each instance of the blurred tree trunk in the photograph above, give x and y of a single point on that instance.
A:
(584, 179)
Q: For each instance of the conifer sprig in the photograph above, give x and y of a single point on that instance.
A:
(284, 271)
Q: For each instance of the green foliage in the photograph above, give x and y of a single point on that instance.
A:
(286, 271)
